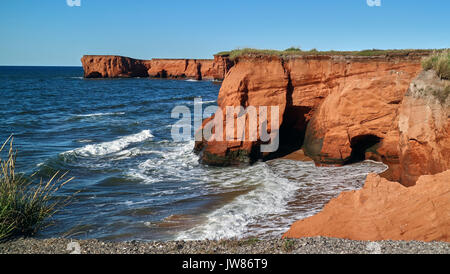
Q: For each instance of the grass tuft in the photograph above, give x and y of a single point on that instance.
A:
(443, 94)
(288, 245)
(439, 61)
(25, 206)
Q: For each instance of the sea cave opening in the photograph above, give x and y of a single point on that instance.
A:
(292, 132)
(94, 74)
(162, 74)
(359, 145)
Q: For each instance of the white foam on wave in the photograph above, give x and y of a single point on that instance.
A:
(133, 152)
(284, 191)
(100, 114)
(270, 196)
(177, 162)
(111, 146)
(208, 102)
(84, 141)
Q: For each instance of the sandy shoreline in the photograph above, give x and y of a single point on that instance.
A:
(316, 245)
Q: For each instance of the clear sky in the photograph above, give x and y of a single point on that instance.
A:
(49, 32)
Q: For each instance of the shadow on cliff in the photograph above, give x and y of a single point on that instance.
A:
(293, 127)
(360, 145)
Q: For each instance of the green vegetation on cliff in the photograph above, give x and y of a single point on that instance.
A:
(292, 51)
(25, 206)
(439, 61)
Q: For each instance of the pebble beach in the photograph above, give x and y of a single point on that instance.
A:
(315, 245)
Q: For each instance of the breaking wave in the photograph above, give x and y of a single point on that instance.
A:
(174, 160)
(270, 195)
(282, 192)
(111, 146)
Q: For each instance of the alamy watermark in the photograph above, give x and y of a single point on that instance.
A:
(73, 3)
(374, 3)
(229, 123)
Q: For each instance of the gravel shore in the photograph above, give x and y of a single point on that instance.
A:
(316, 245)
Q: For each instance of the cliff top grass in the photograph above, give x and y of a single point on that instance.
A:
(439, 61)
(292, 52)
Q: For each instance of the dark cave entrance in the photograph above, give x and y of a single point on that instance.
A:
(94, 74)
(293, 128)
(292, 132)
(359, 145)
(162, 74)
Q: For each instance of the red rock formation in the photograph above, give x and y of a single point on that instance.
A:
(104, 66)
(424, 125)
(388, 210)
(266, 80)
(174, 68)
(385, 210)
(169, 68)
(108, 66)
(360, 114)
(218, 68)
(349, 102)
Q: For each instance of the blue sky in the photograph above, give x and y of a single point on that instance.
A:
(49, 32)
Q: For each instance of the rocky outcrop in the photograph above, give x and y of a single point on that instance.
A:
(173, 68)
(416, 209)
(424, 126)
(339, 108)
(218, 68)
(359, 120)
(385, 210)
(255, 82)
(109, 66)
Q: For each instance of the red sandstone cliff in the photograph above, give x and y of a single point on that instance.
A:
(255, 82)
(109, 66)
(339, 108)
(424, 126)
(387, 210)
(104, 66)
(384, 210)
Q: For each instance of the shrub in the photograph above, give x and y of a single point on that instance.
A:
(293, 49)
(443, 94)
(25, 206)
(288, 245)
(439, 61)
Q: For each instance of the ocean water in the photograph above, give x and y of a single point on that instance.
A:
(133, 182)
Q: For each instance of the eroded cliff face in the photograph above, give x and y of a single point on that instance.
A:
(251, 82)
(360, 119)
(109, 66)
(384, 210)
(342, 110)
(424, 126)
(416, 209)
(339, 108)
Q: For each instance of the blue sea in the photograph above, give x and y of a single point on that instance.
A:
(132, 181)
